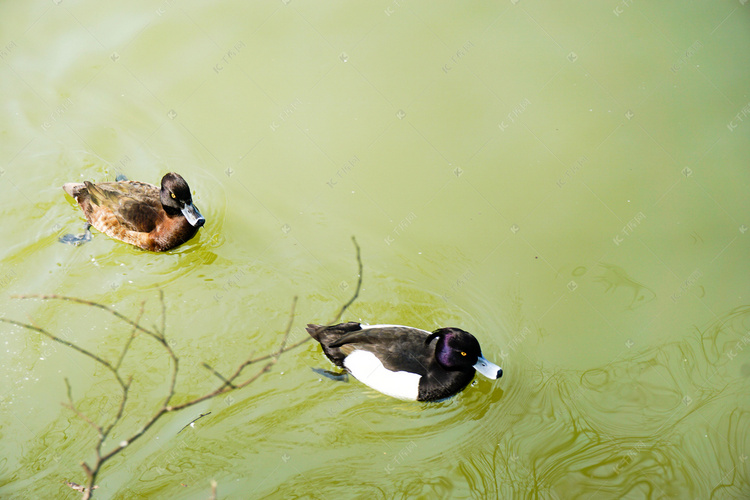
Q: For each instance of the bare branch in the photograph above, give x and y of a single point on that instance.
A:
(91, 477)
(175, 370)
(132, 336)
(228, 384)
(167, 408)
(130, 441)
(61, 341)
(336, 318)
(218, 375)
(72, 407)
(275, 355)
(168, 348)
(76, 486)
(70, 390)
(289, 325)
(356, 291)
(88, 303)
(163, 329)
(193, 421)
(120, 410)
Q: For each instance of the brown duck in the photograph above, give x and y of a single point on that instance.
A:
(139, 213)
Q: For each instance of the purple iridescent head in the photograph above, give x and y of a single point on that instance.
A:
(457, 349)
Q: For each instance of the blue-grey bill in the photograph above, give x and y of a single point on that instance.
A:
(488, 369)
(193, 216)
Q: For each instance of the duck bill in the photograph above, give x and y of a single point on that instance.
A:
(488, 369)
(193, 216)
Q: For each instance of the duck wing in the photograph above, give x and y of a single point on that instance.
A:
(398, 348)
(136, 205)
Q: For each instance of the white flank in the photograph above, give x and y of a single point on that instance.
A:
(367, 368)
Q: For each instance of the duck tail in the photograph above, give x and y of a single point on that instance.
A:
(315, 330)
(73, 188)
(325, 336)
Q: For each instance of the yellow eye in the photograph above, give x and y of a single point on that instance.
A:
(463, 353)
(173, 196)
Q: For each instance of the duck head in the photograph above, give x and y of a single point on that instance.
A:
(175, 197)
(457, 349)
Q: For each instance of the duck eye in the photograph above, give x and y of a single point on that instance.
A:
(173, 196)
(463, 353)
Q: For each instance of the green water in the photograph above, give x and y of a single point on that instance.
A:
(568, 181)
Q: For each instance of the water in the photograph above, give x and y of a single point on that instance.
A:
(567, 182)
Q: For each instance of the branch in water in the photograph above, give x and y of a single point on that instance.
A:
(228, 384)
(336, 318)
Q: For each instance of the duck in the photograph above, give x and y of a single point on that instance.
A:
(405, 362)
(141, 214)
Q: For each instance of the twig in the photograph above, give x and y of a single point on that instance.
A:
(193, 421)
(76, 486)
(356, 291)
(159, 334)
(229, 384)
(57, 339)
(288, 329)
(88, 303)
(72, 407)
(163, 314)
(120, 408)
(275, 354)
(132, 336)
(336, 318)
(218, 375)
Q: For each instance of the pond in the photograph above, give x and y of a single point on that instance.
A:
(568, 182)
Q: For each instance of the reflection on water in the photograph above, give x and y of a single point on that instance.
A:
(614, 277)
(651, 425)
(299, 124)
